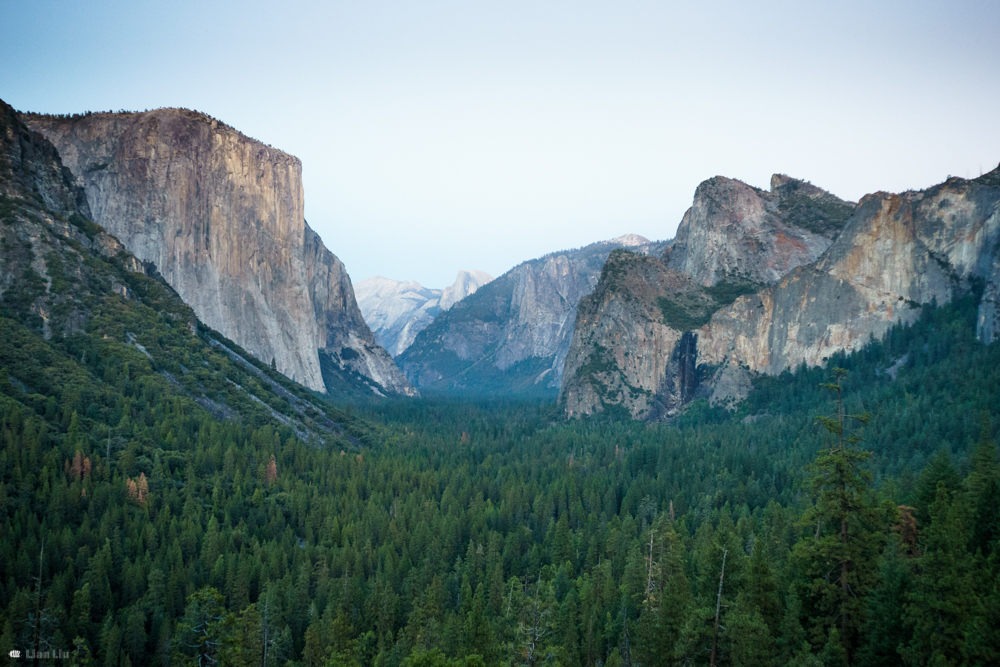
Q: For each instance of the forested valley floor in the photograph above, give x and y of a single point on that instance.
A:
(139, 528)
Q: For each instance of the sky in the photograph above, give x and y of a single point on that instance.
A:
(437, 136)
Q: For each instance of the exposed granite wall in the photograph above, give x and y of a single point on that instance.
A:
(221, 217)
(894, 253)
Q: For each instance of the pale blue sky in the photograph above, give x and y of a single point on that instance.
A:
(437, 136)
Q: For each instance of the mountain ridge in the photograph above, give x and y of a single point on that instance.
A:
(87, 322)
(396, 311)
(892, 254)
(513, 334)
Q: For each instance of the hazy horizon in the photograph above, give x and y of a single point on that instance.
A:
(439, 136)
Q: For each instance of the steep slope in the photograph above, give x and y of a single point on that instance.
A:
(893, 254)
(513, 334)
(221, 217)
(397, 311)
(89, 328)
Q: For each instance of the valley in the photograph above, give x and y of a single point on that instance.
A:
(770, 440)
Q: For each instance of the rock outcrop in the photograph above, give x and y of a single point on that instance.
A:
(733, 230)
(897, 251)
(397, 311)
(221, 217)
(655, 335)
(513, 334)
(624, 353)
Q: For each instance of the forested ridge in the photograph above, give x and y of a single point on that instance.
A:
(166, 500)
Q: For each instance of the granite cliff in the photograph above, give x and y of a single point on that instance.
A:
(896, 252)
(88, 327)
(734, 230)
(639, 336)
(513, 334)
(724, 304)
(397, 311)
(220, 215)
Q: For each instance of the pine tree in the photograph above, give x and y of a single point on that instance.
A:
(201, 631)
(565, 630)
(986, 525)
(791, 634)
(562, 550)
(839, 557)
(983, 486)
(982, 636)
(477, 632)
(884, 631)
(665, 615)
(111, 639)
(134, 641)
(80, 614)
(834, 653)
(983, 460)
(942, 602)
(751, 643)
(761, 588)
(313, 653)
(938, 471)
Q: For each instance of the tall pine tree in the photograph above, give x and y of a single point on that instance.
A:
(839, 552)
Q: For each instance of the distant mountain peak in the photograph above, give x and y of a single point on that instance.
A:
(396, 310)
(630, 240)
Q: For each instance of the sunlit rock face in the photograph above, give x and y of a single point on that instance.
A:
(897, 251)
(396, 310)
(648, 330)
(221, 217)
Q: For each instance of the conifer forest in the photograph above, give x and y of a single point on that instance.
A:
(840, 516)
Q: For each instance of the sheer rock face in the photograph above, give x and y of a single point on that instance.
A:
(221, 217)
(513, 334)
(893, 254)
(623, 353)
(735, 230)
(397, 311)
(897, 252)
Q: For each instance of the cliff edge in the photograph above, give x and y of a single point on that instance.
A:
(221, 217)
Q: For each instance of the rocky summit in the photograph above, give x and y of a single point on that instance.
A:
(220, 215)
(734, 230)
(763, 282)
(397, 311)
(513, 334)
